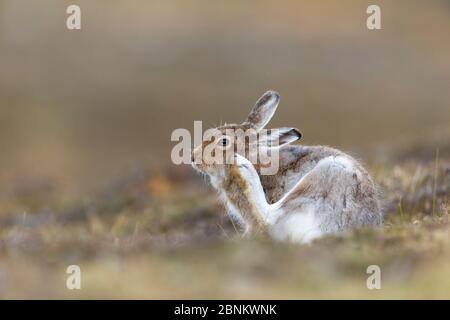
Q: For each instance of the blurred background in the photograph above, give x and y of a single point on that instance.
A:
(84, 105)
(85, 123)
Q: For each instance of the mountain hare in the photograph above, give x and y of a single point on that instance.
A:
(315, 191)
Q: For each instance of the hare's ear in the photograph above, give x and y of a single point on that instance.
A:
(263, 110)
(281, 136)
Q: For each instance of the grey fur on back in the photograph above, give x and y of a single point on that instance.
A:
(359, 202)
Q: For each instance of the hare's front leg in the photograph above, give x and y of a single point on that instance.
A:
(246, 194)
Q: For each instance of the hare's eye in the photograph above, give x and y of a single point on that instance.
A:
(224, 142)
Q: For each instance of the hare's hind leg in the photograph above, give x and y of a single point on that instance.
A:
(337, 193)
(327, 180)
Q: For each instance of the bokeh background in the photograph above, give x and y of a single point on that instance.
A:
(90, 112)
(91, 103)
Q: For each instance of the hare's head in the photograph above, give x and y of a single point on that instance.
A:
(217, 153)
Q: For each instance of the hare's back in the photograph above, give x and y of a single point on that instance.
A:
(295, 162)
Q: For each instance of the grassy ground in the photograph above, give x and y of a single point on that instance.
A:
(165, 236)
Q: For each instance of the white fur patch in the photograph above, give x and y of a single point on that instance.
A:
(341, 161)
(299, 227)
(347, 163)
